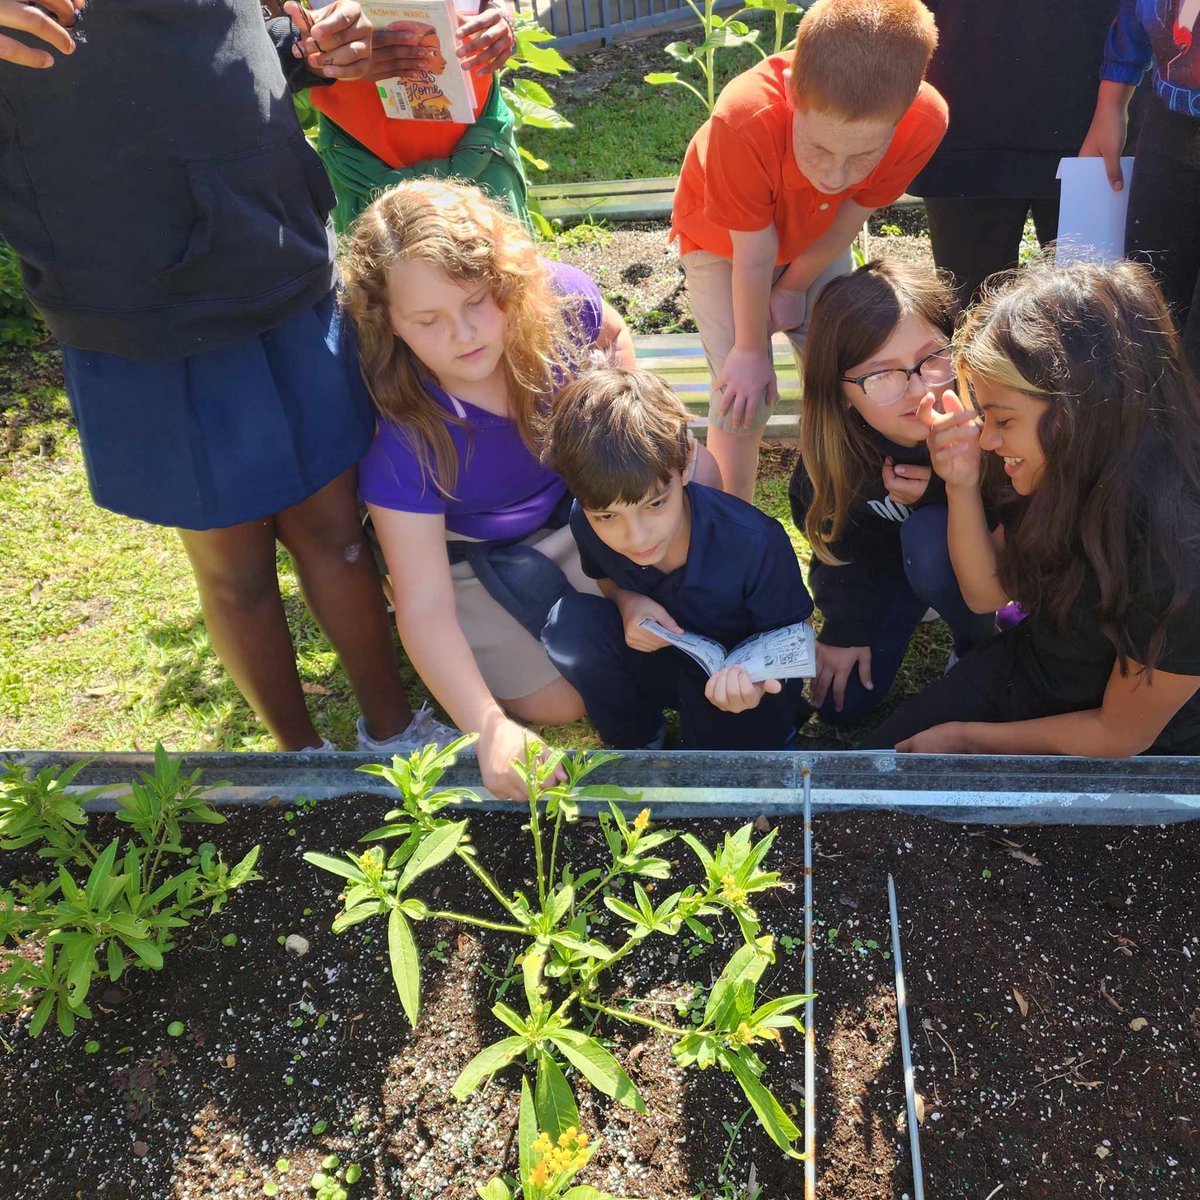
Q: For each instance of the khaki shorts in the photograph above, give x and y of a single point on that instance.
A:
(710, 293)
(512, 662)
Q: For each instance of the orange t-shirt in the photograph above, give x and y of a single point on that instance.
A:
(740, 172)
(356, 107)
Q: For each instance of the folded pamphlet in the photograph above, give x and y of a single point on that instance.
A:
(787, 653)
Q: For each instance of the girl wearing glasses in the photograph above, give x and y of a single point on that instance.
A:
(863, 491)
(1076, 381)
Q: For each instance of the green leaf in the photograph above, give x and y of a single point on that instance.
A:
(41, 1014)
(553, 1100)
(745, 966)
(486, 1063)
(598, 1067)
(706, 859)
(494, 1189)
(530, 112)
(527, 1131)
(434, 849)
(503, 1013)
(242, 872)
(774, 1120)
(682, 52)
(335, 866)
(406, 964)
(83, 966)
(660, 77)
(540, 223)
(582, 1191)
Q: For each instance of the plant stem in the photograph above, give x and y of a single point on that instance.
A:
(602, 884)
(558, 816)
(482, 922)
(628, 1016)
(488, 882)
(535, 827)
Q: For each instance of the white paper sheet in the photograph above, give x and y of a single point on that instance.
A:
(1091, 216)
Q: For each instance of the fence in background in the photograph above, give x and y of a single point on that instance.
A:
(577, 23)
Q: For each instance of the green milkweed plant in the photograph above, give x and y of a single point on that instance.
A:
(100, 910)
(564, 959)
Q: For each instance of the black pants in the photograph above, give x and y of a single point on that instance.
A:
(626, 690)
(975, 236)
(1162, 227)
(980, 687)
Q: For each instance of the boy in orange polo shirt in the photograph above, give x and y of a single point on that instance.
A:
(777, 183)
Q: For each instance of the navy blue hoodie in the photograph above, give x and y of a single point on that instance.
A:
(156, 184)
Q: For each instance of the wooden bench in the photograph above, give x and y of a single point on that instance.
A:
(621, 200)
(678, 358)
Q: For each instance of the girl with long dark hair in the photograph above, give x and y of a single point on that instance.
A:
(1076, 380)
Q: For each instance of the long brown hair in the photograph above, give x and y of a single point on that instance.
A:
(473, 239)
(1120, 435)
(854, 316)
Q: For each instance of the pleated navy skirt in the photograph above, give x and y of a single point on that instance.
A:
(230, 435)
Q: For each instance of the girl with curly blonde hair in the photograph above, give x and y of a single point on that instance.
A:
(465, 336)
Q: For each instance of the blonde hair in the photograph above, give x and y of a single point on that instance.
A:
(473, 239)
(614, 435)
(853, 317)
(862, 59)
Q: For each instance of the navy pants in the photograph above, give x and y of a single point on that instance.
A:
(626, 690)
(926, 581)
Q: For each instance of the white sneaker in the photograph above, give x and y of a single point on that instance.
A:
(419, 732)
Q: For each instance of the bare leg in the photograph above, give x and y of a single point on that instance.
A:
(337, 574)
(239, 595)
(557, 703)
(737, 457)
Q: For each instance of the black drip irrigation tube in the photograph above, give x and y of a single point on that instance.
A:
(974, 789)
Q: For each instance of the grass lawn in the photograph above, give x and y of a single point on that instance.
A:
(608, 99)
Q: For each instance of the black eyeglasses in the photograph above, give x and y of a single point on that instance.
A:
(890, 385)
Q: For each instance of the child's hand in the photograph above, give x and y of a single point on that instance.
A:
(905, 483)
(747, 381)
(835, 665)
(487, 40)
(335, 41)
(635, 608)
(787, 309)
(45, 21)
(731, 691)
(500, 745)
(953, 439)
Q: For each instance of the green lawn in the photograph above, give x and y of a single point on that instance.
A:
(626, 128)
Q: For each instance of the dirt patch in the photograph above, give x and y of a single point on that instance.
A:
(1054, 1005)
(639, 273)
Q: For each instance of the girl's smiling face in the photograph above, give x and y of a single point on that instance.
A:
(1010, 429)
(456, 329)
(910, 342)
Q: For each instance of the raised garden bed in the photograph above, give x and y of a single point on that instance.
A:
(1054, 1003)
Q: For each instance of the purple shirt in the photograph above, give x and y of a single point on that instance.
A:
(502, 490)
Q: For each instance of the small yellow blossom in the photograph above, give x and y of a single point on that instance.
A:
(642, 821)
(731, 891)
(539, 1174)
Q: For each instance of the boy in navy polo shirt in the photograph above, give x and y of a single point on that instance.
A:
(690, 557)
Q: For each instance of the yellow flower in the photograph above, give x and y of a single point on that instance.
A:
(568, 1135)
(642, 821)
(539, 1174)
(731, 891)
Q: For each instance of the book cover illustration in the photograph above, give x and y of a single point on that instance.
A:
(442, 91)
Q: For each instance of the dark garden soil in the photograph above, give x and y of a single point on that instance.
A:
(1054, 1008)
(639, 272)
